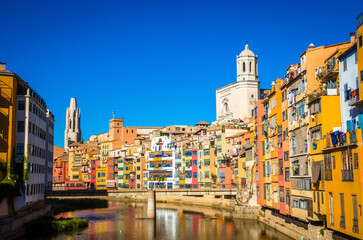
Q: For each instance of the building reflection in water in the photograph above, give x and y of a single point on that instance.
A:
(127, 221)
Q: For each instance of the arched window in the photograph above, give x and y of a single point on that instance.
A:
(250, 66)
(244, 67)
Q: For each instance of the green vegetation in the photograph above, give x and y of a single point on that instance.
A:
(8, 186)
(66, 205)
(49, 225)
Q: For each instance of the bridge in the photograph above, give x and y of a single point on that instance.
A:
(211, 193)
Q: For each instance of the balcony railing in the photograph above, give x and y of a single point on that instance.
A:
(342, 222)
(355, 226)
(347, 175)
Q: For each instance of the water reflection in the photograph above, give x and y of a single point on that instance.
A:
(127, 221)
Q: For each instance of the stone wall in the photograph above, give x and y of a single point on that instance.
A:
(13, 227)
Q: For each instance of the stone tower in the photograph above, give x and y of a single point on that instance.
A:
(73, 124)
(236, 100)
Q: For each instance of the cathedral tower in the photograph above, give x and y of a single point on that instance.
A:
(73, 124)
(236, 100)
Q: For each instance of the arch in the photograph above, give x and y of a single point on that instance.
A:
(244, 67)
(225, 107)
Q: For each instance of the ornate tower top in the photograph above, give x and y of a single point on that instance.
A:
(247, 65)
(72, 132)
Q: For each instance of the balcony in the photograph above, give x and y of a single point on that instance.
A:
(347, 175)
(352, 96)
(340, 139)
(328, 73)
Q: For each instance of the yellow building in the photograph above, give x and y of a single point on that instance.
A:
(101, 178)
(8, 88)
(360, 54)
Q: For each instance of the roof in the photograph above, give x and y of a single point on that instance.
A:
(247, 52)
(202, 123)
(346, 52)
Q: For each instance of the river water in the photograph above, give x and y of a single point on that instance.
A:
(127, 221)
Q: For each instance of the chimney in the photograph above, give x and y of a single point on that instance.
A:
(352, 37)
(2, 66)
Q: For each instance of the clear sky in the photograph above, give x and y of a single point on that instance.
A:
(157, 63)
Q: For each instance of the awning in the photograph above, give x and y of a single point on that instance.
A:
(316, 170)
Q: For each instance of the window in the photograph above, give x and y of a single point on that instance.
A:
(206, 162)
(206, 174)
(295, 168)
(345, 64)
(315, 107)
(20, 149)
(360, 41)
(287, 174)
(342, 211)
(195, 163)
(315, 136)
(21, 126)
(331, 208)
(258, 192)
(195, 175)
(281, 167)
(244, 67)
(101, 174)
(301, 106)
(355, 160)
(21, 105)
(361, 76)
(257, 176)
(138, 177)
(355, 211)
(286, 156)
(282, 194)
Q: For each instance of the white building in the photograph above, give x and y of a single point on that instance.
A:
(34, 144)
(72, 132)
(349, 90)
(236, 100)
(161, 164)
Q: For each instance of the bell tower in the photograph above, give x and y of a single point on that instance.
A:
(247, 65)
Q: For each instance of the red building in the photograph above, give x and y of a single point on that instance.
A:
(94, 162)
(259, 113)
(195, 183)
(112, 173)
(60, 172)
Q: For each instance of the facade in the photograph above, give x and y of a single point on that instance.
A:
(28, 133)
(72, 133)
(245, 90)
(161, 164)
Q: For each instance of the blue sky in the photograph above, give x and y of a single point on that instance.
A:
(156, 63)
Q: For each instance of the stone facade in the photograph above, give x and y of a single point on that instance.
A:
(73, 124)
(236, 100)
